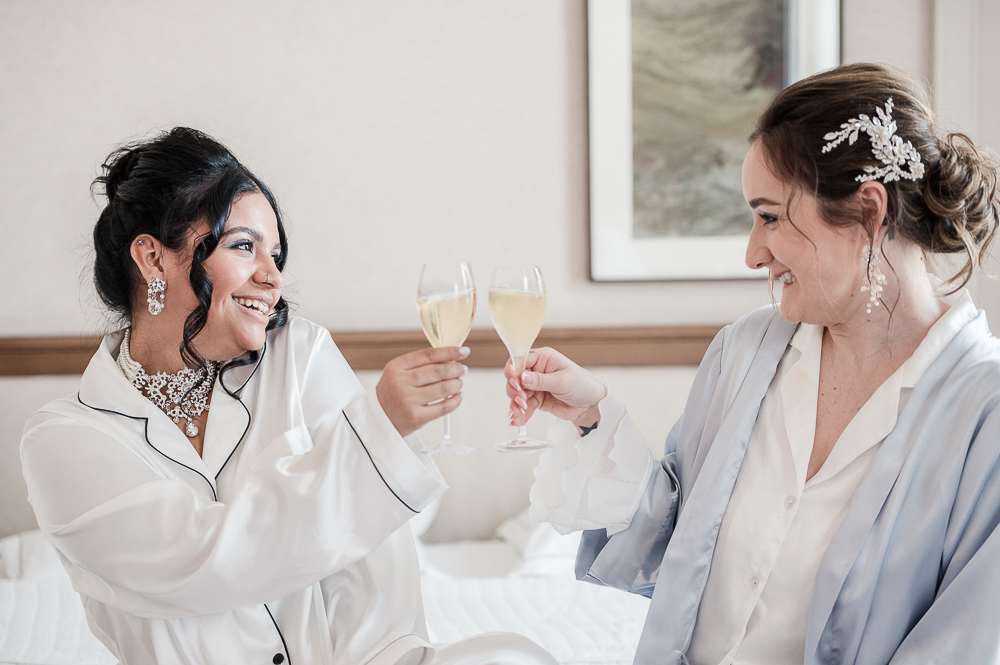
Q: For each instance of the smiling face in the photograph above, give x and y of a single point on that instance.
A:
(246, 283)
(818, 266)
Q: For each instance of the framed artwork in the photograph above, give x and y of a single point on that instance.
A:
(675, 87)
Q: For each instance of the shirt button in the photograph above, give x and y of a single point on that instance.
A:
(790, 502)
(278, 659)
(754, 581)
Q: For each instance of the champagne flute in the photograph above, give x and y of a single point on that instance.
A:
(517, 307)
(446, 301)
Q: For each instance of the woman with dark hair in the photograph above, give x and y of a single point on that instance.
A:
(831, 493)
(222, 489)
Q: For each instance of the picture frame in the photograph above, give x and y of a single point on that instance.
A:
(617, 252)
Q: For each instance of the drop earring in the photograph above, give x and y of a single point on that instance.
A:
(155, 296)
(876, 279)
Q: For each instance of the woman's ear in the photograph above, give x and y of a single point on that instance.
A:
(147, 252)
(874, 202)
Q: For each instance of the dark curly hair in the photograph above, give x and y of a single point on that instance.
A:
(953, 208)
(163, 187)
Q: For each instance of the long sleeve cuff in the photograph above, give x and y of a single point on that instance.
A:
(410, 473)
(595, 481)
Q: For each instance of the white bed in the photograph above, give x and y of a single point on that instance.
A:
(521, 581)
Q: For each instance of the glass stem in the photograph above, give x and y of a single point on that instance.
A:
(446, 439)
(519, 363)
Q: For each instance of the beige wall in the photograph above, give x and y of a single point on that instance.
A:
(897, 32)
(393, 133)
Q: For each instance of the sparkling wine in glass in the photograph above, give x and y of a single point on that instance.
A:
(517, 307)
(446, 301)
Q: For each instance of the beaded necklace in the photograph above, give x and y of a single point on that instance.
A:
(177, 395)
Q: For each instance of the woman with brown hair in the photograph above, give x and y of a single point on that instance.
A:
(831, 493)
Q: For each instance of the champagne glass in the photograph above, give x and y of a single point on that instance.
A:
(446, 301)
(517, 307)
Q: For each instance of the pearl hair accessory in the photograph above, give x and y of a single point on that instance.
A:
(155, 296)
(888, 148)
(183, 398)
(876, 279)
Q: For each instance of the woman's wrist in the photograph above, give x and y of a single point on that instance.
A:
(588, 420)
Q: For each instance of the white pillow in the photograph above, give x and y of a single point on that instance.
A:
(516, 530)
(544, 551)
(27, 554)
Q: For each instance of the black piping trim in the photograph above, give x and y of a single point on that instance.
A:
(255, 368)
(375, 465)
(238, 395)
(215, 497)
(283, 644)
(236, 447)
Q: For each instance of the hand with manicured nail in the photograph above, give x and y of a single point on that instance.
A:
(555, 384)
(411, 382)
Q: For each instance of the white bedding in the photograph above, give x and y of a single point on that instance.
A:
(521, 582)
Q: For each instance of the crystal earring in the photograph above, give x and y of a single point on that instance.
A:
(155, 296)
(876, 279)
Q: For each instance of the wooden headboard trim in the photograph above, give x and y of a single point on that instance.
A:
(365, 350)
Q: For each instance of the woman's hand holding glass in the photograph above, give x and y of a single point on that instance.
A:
(554, 384)
(446, 302)
(517, 308)
(421, 386)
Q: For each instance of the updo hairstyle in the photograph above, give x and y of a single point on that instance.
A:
(953, 208)
(163, 187)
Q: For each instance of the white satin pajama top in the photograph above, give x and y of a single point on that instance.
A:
(286, 543)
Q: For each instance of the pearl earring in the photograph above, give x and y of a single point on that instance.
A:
(876, 279)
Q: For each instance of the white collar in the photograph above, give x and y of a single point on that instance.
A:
(877, 418)
(104, 387)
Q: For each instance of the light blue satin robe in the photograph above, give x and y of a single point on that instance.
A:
(913, 573)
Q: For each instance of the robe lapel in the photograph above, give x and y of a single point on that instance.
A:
(228, 420)
(166, 438)
(674, 605)
(104, 388)
(859, 533)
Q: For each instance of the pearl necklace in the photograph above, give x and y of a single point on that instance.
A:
(177, 402)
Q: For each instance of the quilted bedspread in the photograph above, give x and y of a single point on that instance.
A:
(42, 620)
